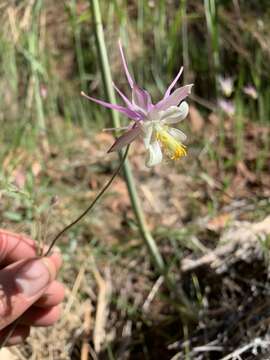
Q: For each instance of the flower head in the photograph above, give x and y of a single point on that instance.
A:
(251, 91)
(151, 122)
(227, 106)
(226, 85)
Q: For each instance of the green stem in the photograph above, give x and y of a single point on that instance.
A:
(77, 43)
(211, 14)
(185, 38)
(183, 304)
(107, 80)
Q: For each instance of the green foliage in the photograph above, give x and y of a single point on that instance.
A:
(209, 38)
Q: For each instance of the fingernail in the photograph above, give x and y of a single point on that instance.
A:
(32, 277)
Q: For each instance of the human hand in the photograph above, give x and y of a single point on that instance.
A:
(27, 287)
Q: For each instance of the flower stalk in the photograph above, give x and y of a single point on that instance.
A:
(92, 204)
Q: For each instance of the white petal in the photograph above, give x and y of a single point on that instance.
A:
(177, 134)
(147, 134)
(172, 111)
(175, 114)
(154, 155)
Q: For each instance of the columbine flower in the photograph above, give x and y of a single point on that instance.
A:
(226, 85)
(226, 106)
(152, 122)
(251, 91)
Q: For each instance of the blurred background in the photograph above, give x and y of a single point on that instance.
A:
(208, 212)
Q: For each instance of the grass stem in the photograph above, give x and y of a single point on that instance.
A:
(134, 198)
(109, 92)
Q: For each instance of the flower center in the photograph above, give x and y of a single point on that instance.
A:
(174, 148)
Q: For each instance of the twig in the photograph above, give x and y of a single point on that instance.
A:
(86, 331)
(257, 342)
(104, 287)
(152, 293)
(75, 289)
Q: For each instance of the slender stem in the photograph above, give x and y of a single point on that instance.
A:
(77, 42)
(9, 333)
(107, 80)
(185, 43)
(136, 205)
(211, 14)
(90, 207)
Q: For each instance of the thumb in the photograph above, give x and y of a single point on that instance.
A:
(22, 284)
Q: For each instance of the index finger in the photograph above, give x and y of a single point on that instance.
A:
(15, 247)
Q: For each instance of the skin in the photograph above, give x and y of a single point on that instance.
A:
(28, 288)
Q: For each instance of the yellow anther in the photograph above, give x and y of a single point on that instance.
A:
(174, 148)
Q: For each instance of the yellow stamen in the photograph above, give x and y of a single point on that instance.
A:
(174, 148)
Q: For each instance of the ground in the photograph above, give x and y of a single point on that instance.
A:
(210, 223)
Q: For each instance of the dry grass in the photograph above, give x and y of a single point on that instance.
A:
(208, 212)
